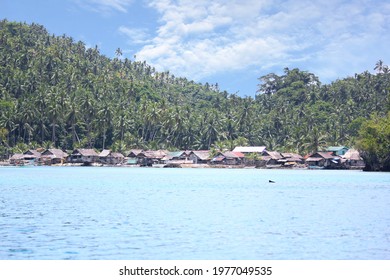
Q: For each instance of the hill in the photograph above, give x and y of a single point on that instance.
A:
(57, 92)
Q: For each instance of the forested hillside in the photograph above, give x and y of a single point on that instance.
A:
(57, 92)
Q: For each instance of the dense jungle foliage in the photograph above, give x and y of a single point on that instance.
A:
(57, 92)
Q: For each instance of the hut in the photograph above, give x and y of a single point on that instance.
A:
(53, 156)
(353, 159)
(17, 159)
(178, 156)
(337, 150)
(131, 156)
(200, 157)
(323, 160)
(290, 159)
(109, 157)
(134, 153)
(84, 156)
(228, 158)
(148, 158)
(272, 158)
(250, 149)
(31, 156)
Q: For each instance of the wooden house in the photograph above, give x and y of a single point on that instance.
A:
(134, 153)
(17, 159)
(272, 157)
(148, 158)
(109, 157)
(175, 156)
(250, 150)
(31, 156)
(131, 156)
(337, 150)
(53, 156)
(291, 159)
(323, 160)
(84, 156)
(353, 159)
(200, 157)
(228, 158)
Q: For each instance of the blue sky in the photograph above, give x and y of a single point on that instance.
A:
(231, 43)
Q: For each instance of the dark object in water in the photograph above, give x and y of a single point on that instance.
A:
(270, 181)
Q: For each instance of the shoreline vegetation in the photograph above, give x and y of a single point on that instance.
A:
(57, 92)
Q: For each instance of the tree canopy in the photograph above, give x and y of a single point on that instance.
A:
(374, 143)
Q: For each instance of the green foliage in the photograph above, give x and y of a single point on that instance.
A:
(55, 91)
(374, 143)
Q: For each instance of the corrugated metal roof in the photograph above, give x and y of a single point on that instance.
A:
(229, 154)
(239, 154)
(249, 149)
(175, 154)
(274, 155)
(336, 148)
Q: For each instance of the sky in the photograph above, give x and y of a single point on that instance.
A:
(229, 42)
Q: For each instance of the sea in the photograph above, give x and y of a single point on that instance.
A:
(117, 213)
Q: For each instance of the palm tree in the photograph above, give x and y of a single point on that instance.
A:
(72, 116)
(379, 66)
(105, 117)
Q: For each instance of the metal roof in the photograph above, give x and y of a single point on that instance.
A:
(249, 149)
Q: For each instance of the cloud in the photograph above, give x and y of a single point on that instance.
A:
(202, 38)
(135, 35)
(105, 7)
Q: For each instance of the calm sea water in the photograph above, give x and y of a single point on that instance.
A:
(148, 213)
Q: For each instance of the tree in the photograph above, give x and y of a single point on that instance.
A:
(380, 67)
(374, 143)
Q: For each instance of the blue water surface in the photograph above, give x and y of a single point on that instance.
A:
(151, 213)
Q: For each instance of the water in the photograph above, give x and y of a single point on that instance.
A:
(147, 213)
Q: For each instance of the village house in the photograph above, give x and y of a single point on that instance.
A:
(131, 156)
(338, 150)
(323, 160)
(109, 157)
(271, 157)
(17, 159)
(31, 156)
(291, 159)
(228, 158)
(134, 153)
(250, 150)
(200, 157)
(353, 159)
(148, 158)
(84, 156)
(53, 156)
(177, 157)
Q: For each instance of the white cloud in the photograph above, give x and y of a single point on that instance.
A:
(202, 38)
(105, 7)
(135, 35)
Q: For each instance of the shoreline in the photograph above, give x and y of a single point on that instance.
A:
(184, 165)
